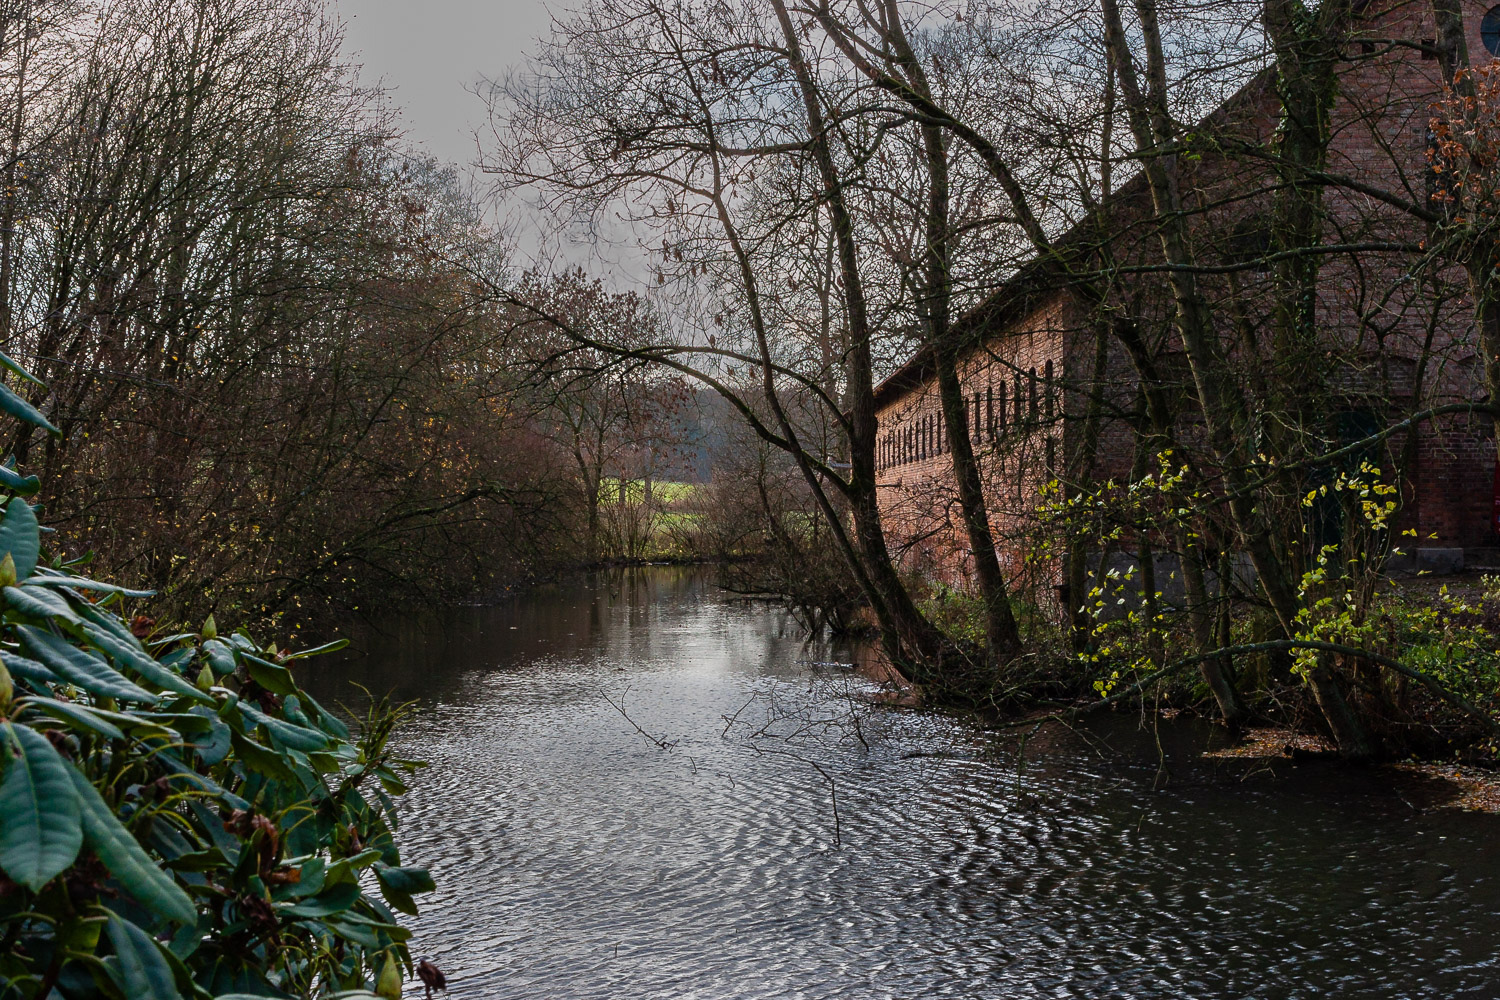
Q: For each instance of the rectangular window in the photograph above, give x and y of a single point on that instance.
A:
(989, 406)
(1000, 401)
(1031, 395)
(1051, 407)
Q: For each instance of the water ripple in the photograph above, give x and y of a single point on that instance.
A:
(576, 858)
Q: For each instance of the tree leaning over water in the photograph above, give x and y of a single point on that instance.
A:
(1269, 334)
(744, 155)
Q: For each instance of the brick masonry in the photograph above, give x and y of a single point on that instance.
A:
(1396, 344)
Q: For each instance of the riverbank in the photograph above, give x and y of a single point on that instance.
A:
(1465, 787)
(1470, 777)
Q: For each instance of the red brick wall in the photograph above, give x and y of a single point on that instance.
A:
(1386, 329)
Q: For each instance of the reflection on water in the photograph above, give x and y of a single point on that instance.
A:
(576, 857)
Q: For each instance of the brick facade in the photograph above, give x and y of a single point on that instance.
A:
(1401, 343)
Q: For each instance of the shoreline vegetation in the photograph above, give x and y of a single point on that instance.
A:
(308, 376)
(1223, 423)
(179, 819)
(275, 368)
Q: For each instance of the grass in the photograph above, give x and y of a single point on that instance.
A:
(662, 491)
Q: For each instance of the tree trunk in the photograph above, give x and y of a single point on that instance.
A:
(1002, 635)
(908, 637)
(1218, 396)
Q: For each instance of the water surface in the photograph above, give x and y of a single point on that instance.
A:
(632, 795)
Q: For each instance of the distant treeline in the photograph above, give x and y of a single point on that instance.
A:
(266, 329)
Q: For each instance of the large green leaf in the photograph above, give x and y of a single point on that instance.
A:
(293, 736)
(80, 715)
(215, 747)
(22, 410)
(272, 676)
(220, 657)
(407, 880)
(131, 866)
(12, 480)
(327, 647)
(103, 619)
(39, 602)
(262, 759)
(326, 719)
(29, 669)
(398, 885)
(15, 366)
(21, 536)
(312, 874)
(40, 822)
(140, 968)
(143, 665)
(80, 667)
(49, 578)
(335, 899)
(140, 724)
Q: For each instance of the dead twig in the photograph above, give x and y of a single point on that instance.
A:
(833, 789)
(620, 707)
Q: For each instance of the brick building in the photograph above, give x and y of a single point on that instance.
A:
(1396, 343)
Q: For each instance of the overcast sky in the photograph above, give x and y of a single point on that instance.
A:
(428, 54)
(429, 51)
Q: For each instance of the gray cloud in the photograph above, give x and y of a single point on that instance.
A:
(430, 52)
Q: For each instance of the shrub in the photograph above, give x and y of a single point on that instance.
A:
(178, 819)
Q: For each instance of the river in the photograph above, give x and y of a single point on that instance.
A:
(643, 788)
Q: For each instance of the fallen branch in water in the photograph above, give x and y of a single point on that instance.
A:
(833, 788)
(663, 744)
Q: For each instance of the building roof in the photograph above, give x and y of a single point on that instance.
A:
(1017, 296)
(1035, 279)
